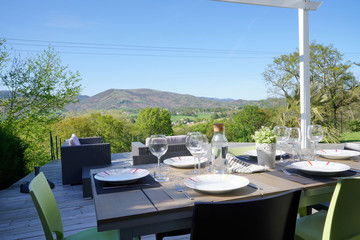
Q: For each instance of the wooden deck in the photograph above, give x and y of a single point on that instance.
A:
(18, 216)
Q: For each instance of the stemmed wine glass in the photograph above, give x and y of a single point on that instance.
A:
(293, 137)
(279, 132)
(158, 146)
(315, 134)
(196, 144)
(204, 144)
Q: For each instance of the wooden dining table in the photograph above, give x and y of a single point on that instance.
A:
(151, 210)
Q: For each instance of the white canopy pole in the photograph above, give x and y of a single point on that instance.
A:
(303, 7)
(304, 53)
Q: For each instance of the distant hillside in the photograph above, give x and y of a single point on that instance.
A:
(142, 98)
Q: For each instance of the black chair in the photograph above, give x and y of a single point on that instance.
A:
(270, 218)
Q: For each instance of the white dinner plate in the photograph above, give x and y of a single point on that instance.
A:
(182, 161)
(337, 153)
(254, 154)
(216, 183)
(321, 168)
(121, 175)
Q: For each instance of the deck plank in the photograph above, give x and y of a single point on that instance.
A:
(19, 218)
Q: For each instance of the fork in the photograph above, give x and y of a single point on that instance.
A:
(180, 189)
(289, 173)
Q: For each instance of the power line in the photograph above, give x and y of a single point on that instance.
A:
(91, 45)
(145, 55)
(213, 53)
(158, 50)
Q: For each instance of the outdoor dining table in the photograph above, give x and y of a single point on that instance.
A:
(150, 210)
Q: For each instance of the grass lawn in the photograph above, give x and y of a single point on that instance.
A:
(350, 137)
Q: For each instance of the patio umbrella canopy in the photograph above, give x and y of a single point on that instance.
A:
(303, 7)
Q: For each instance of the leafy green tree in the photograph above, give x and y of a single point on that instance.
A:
(80, 125)
(333, 86)
(38, 88)
(152, 121)
(111, 130)
(245, 123)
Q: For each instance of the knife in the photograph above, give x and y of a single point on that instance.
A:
(254, 186)
(125, 186)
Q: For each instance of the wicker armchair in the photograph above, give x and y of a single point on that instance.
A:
(91, 152)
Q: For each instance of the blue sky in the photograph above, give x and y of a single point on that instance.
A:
(198, 47)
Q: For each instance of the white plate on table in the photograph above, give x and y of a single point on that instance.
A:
(183, 161)
(320, 168)
(121, 175)
(337, 153)
(216, 183)
(254, 154)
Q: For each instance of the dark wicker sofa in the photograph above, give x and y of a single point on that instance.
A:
(142, 155)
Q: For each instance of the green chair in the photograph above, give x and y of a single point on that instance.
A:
(240, 150)
(341, 221)
(49, 214)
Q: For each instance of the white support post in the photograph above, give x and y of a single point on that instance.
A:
(304, 52)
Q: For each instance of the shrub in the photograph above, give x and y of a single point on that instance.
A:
(12, 160)
(354, 125)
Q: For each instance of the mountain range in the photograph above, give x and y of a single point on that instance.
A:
(142, 98)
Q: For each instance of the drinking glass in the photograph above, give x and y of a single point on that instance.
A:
(205, 146)
(293, 137)
(158, 146)
(196, 144)
(279, 132)
(315, 134)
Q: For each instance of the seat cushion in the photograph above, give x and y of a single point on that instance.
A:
(92, 233)
(311, 227)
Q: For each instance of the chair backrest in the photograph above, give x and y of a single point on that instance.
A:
(343, 217)
(46, 207)
(271, 218)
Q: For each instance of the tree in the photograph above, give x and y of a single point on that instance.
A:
(245, 123)
(333, 85)
(38, 87)
(152, 121)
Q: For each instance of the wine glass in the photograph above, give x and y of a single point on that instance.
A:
(158, 146)
(293, 137)
(195, 142)
(279, 132)
(315, 134)
(204, 148)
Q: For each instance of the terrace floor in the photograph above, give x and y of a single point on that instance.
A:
(18, 216)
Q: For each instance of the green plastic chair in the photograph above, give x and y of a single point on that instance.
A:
(49, 214)
(240, 150)
(341, 221)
